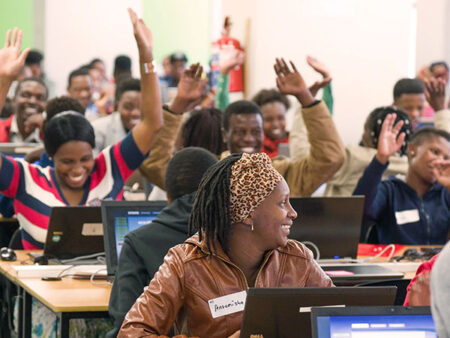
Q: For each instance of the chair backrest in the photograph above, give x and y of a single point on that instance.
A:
(368, 232)
(401, 285)
(16, 240)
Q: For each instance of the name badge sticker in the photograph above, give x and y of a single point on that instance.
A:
(228, 304)
(407, 216)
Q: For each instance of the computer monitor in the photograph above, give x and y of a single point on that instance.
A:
(121, 217)
(373, 321)
(333, 224)
(285, 312)
(18, 150)
(74, 231)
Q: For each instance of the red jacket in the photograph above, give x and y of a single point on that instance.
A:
(425, 266)
(5, 127)
(270, 147)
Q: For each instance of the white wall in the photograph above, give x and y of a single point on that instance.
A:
(366, 44)
(78, 31)
(433, 42)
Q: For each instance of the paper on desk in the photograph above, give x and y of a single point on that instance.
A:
(30, 271)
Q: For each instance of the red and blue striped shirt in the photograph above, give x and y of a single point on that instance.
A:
(35, 189)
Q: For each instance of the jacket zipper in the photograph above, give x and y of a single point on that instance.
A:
(262, 265)
(239, 269)
(427, 220)
(242, 272)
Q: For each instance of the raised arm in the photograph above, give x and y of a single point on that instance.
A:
(291, 82)
(435, 94)
(327, 153)
(389, 142)
(11, 63)
(298, 139)
(322, 70)
(145, 131)
(190, 91)
(235, 57)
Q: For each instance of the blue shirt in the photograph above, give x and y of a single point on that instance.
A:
(401, 215)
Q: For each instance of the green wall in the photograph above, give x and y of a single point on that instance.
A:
(180, 25)
(177, 25)
(17, 13)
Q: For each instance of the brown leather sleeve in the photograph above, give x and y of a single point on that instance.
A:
(316, 276)
(155, 311)
(154, 166)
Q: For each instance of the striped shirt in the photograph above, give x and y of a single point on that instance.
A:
(36, 190)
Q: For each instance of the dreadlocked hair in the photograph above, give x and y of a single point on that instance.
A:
(210, 214)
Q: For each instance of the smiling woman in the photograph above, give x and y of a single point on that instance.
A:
(243, 218)
(77, 178)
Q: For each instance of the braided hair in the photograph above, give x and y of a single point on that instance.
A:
(210, 214)
(375, 122)
(204, 129)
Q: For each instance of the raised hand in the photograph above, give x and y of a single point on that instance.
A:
(230, 58)
(11, 60)
(318, 66)
(34, 121)
(290, 82)
(390, 140)
(190, 89)
(424, 73)
(322, 70)
(435, 93)
(143, 36)
(442, 172)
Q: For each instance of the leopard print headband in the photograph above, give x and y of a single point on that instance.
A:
(252, 179)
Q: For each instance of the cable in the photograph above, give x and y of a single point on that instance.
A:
(60, 274)
(98, 283)
(315, 247)
(79, 258)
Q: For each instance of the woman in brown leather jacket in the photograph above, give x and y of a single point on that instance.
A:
(243, 217)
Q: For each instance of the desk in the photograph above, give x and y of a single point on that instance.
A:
(69, 298)
(410, 271)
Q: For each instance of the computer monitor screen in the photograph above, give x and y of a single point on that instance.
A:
(121, 217)
(129, 220)
(382, 325)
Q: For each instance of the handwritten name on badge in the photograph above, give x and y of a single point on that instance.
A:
(228, 304)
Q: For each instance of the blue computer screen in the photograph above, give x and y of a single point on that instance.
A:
(126, 221)
(382, 326)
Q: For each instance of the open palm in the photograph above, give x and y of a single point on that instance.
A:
(390, 140)
(11, 60)
(288, 81)
(191, 85)
(318, 66)
(143, 35)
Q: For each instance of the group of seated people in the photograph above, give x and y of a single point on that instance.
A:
(228, 220)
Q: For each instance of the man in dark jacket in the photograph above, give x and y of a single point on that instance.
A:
(144, 249)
